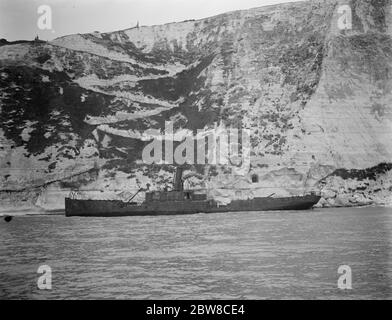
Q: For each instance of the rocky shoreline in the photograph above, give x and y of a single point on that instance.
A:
(347, 188)
(341, 188)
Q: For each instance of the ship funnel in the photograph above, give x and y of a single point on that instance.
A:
(178, 183)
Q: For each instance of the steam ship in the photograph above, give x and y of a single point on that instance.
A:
(181, 202)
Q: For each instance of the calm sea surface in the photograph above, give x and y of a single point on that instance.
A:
(281, 255)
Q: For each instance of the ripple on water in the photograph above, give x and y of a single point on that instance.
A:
(281, 255)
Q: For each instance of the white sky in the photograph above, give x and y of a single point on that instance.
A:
(18, 18)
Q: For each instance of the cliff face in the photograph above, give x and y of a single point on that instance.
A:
(316, 99)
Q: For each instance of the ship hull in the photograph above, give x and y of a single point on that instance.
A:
(116, 208)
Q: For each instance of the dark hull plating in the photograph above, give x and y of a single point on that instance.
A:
(115, 208)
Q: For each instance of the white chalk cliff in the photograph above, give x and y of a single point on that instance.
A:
(317, 100)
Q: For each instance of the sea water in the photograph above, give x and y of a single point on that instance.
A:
(244, 255)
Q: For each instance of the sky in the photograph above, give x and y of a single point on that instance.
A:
(19, 19)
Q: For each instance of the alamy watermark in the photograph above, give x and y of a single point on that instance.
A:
(345, 280)
(45, 281)
(345, 20)
(45, 18)
(217, 146)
